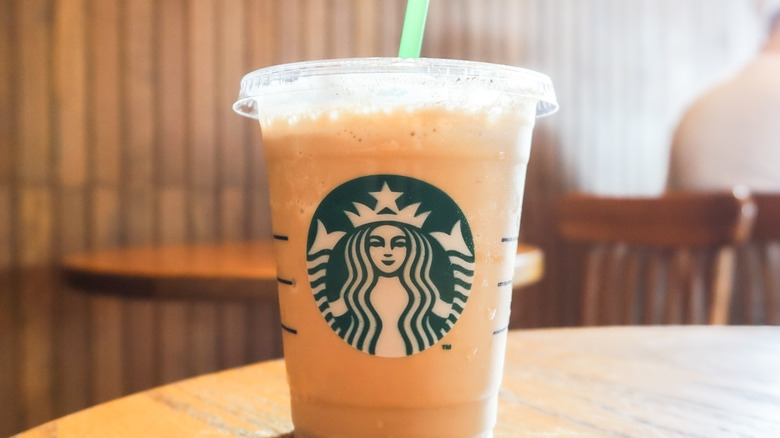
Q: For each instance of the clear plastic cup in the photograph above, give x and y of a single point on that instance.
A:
(396, 189)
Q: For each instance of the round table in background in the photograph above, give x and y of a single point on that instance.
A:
(673, 381)
(223, 271)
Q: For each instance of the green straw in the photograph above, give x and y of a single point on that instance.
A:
(414, 26)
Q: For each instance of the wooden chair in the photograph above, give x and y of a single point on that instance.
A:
(759, 265)
(655, 260)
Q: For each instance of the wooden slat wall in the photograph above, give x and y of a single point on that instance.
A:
(116, 129)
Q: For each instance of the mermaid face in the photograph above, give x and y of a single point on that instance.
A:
(387, 247)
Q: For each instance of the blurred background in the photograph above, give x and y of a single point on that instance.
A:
(116, 130)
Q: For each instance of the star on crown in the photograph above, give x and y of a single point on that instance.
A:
(386, 210)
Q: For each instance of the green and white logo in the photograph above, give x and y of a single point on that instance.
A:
(390, 262)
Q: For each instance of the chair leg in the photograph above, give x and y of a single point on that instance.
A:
(590, 303)
(722, 287)
(770, 268)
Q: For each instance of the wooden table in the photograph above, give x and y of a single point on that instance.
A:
(670, 381)
(222, 271)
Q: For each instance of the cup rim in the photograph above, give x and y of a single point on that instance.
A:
(511, 80)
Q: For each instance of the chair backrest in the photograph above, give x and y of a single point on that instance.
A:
(767, 224)
(759, 265)
(666, 259)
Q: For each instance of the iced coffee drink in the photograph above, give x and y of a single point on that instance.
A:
(396, 191)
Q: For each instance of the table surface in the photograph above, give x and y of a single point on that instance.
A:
(242, 270)
(671, 381)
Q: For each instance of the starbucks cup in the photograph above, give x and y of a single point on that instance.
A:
(396, 187)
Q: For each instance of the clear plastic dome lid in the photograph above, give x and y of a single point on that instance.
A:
(377, 83)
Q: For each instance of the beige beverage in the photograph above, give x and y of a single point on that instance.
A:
(396, 195)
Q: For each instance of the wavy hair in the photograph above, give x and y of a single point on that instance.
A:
(415, 276)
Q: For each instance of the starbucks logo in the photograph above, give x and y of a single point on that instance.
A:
(390, 262)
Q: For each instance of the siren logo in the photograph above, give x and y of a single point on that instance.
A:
(390, 262)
